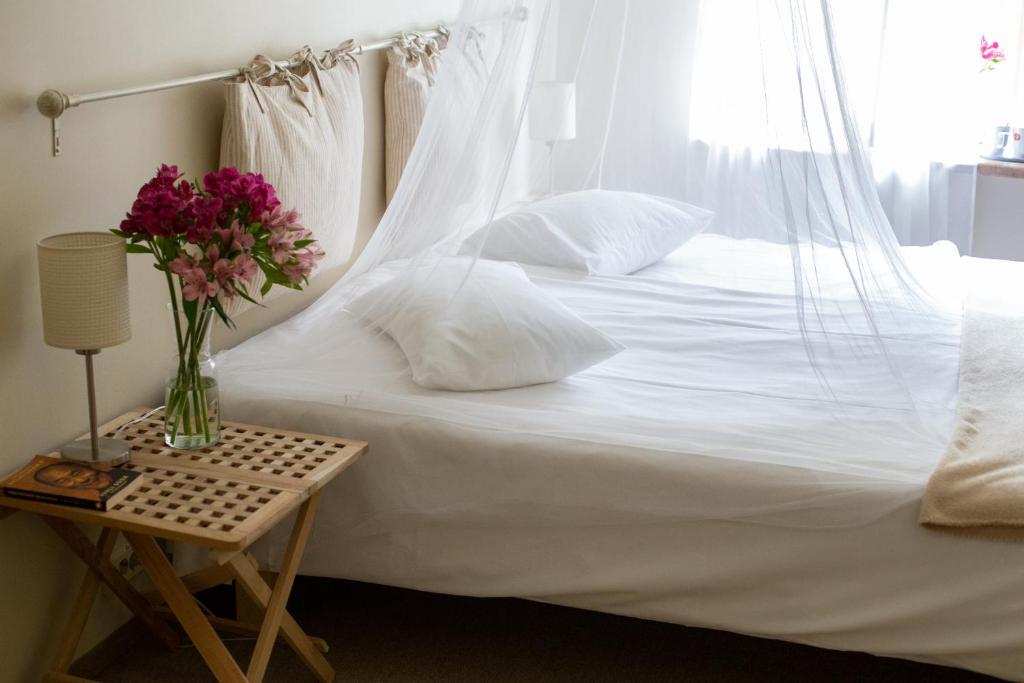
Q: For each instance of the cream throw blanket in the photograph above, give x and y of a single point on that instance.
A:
(978, 487)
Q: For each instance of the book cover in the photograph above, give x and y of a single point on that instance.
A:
(65, 482)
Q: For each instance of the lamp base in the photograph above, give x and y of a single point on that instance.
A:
(112, 452)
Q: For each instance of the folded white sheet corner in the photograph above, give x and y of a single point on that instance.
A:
(642, 486)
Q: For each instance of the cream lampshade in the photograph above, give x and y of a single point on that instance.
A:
(83, 282)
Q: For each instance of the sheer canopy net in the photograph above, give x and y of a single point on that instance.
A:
(794, 334)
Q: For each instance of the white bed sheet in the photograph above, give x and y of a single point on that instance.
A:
(612, 490)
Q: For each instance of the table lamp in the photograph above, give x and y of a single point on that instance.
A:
(83, 280)
(552, 117)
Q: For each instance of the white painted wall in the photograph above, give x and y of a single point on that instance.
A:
(110, 148)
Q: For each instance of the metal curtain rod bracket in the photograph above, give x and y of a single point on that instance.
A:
(53, 103)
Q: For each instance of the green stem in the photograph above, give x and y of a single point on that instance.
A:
(199, 340)
(187, 397)
(174, 396)
(174, 312)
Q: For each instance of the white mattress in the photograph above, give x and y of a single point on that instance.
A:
(700, 477)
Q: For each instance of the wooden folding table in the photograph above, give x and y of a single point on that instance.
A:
(223, 498)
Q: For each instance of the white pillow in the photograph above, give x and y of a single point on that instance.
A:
(596, 231)
(466, 326)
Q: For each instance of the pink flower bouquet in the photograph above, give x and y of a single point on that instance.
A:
(210, 242)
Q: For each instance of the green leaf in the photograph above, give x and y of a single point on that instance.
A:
(138, 249)
(275, 275)
(219, 310)
(245, 295)
(266, 287)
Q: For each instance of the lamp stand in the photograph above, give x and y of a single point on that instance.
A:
(95, 450)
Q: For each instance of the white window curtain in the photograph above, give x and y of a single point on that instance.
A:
(912, 71)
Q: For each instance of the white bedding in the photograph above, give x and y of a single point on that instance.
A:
(611, 490)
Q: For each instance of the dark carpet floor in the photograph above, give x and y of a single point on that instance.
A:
(392, 635)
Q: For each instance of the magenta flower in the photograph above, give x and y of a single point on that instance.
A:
(990, 54)
(204, 212)
(161, 208)
(214, 239)
(248, 193)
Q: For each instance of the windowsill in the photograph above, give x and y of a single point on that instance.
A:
(1003, 169)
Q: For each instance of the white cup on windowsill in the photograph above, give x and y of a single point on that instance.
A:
(995, 142)
(1016, 144)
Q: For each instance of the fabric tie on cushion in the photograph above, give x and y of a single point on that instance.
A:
(421, 51)
(341, 53)
(306, 60)
(262, 70)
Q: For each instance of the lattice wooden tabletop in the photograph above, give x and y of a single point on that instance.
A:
(222, 497)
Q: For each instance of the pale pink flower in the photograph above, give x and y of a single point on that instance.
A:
(303, 263)
(181, 265)
(198, 286)
(282, 244)
(245, 268)
(243, 241)
(223, 274)
(280, 218)
(236, 238)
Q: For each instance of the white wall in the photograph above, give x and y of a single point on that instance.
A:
(110, 148)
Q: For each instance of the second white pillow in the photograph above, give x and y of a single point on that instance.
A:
(468, 326)
(596, 231)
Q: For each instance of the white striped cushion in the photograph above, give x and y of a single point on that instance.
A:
(407, 85)
(308, 144)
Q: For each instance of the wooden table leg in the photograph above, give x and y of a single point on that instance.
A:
(192, 619)
(282, 589)
(82, 607)
(105, 572)
(248, 576)
(276, 618)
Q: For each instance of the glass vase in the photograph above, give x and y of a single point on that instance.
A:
(191, 399)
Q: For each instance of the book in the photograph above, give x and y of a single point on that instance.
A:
(67, 482)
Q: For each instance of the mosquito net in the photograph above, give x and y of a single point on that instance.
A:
(793, 334)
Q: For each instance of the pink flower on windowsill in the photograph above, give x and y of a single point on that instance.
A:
(990, 54)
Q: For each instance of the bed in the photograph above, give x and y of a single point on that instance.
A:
(644, 486)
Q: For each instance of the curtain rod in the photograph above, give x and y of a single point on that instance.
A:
(52, 103)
